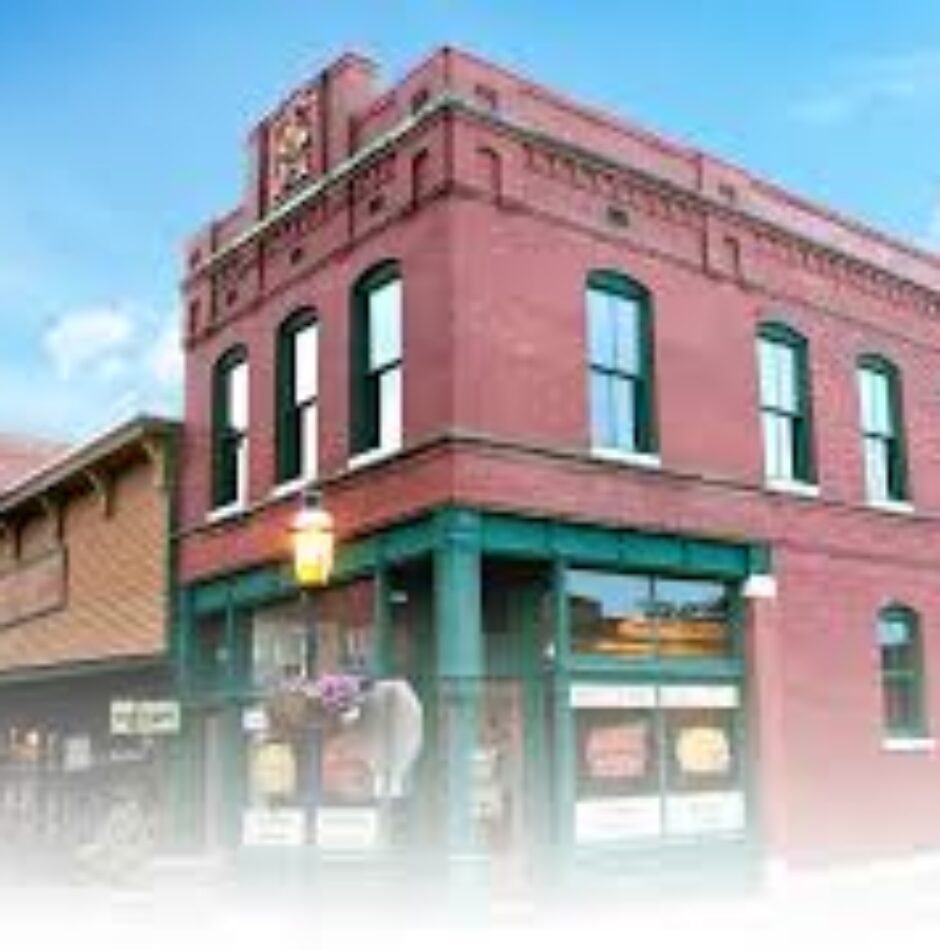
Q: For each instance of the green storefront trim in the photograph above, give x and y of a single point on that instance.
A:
(456, 540)
(496, 534)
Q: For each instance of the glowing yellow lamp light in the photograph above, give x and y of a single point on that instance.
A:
(313, 538)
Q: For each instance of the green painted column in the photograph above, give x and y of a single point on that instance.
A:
(564, 758)
(460, 668)
(185, 752)
(382, 659)
(237, 677)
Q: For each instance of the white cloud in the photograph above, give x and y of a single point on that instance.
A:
(165, 357)
(97, 365)
(866, 84)
(110, 344)
(88, 341)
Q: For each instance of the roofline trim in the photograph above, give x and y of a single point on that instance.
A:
(94, 449)
(452, 100)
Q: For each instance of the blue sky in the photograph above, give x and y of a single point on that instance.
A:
(121, 130)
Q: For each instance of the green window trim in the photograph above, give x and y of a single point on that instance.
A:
(885, 441)
(902, 676)
(292, 461)
(228, 439)
(606, 378)
(797, 418)
(366, 380)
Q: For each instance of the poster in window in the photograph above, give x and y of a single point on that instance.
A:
(703, 750)
(616, 751)
(346, 773)
(702, 756)
(274, 770)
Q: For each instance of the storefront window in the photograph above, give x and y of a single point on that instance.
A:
(629, 616)
(656, 761)
(411, 607)
(278, 644)
(212, 658)
(617, 753)
(318, 761)
(332, 631)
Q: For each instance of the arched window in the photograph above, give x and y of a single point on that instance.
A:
(620, 364)
(882, 426)
(377, 361)
(230, 428)
(785, 404)
(297, 397)
(902, 672)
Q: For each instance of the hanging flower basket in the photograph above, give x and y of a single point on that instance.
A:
(341, 694)
(298, 704)
(290, 707)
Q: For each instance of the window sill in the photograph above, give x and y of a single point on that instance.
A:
(620, 457)
(909, 744)
(293, 487)
(788, 487)
(891, 507)
(371, 457)
(225, 512)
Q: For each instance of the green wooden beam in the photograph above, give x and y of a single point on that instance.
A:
(503, 535)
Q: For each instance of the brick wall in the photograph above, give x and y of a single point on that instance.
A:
(521, 195)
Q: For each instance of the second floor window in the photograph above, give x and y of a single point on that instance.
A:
(620, 364)
(783, 370)
(902, 673)
(297, 398)
(882, 430)
(230, 429)
(376, 376)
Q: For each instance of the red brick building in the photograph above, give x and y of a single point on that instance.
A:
(635, 467)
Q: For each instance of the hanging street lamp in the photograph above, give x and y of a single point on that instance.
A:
(314, 541)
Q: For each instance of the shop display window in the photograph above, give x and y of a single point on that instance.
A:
(656, 762)
(318, 758)
(632, 616)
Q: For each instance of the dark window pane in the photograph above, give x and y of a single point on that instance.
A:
(901, 707)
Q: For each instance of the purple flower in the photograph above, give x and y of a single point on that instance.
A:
(339, 692)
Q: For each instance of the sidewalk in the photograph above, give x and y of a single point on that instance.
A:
(182, 903)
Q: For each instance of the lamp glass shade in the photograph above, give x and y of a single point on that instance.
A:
(313, 547)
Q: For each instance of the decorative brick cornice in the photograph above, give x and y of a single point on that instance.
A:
(604, 175)
(639, 191)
